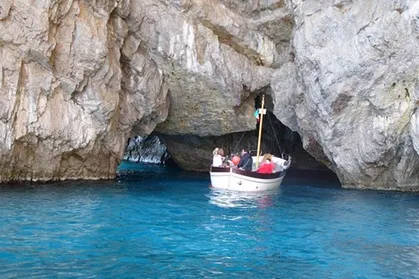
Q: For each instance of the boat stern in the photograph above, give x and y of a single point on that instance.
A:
(220, 177)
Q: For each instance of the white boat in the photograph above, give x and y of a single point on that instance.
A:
(235, 179)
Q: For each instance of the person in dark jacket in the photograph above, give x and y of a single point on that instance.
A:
(246, 160)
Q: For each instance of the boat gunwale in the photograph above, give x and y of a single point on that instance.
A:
(248, 173)
(219, 169)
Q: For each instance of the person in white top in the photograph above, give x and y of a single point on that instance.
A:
(217, 160)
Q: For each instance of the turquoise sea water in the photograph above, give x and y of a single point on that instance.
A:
(154, 222)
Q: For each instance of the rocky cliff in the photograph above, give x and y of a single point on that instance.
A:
(78, 77)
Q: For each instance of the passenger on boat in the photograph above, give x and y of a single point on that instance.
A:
(218, 157)
(267, 165)
(246, 160)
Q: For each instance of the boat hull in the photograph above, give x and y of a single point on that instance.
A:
(245, 181)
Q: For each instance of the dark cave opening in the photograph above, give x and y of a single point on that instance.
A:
(194, 153)
(147, 149)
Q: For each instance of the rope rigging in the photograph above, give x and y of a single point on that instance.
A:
(276, 138)
(273, 130)
(235, 147)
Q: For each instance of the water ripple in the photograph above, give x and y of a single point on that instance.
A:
(171, 225)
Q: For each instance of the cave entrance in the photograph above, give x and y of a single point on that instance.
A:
(148, 150)
(194, 153)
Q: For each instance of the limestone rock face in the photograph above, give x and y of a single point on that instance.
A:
(352, 89)
(212, 62)
(66, 111)
(78, 77)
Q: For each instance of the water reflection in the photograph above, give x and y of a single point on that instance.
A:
(234, 199)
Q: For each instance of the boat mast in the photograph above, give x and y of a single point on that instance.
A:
(261, 113)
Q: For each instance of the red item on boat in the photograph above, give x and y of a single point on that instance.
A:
(235, 160)
(266, 168)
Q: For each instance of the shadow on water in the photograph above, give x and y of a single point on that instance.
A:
(134, 172)
(128, 171)
(152, 176)
(158, 179)
(312, 178)
(134, 175)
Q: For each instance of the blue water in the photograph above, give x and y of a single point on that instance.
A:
(163, 223)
